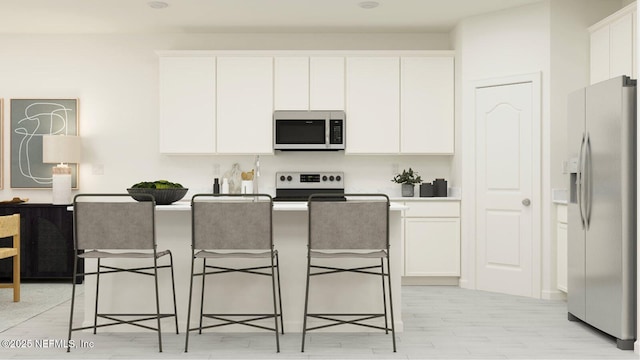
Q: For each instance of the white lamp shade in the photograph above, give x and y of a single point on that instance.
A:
(61, 149)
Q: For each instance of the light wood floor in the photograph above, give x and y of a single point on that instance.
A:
(441, 322)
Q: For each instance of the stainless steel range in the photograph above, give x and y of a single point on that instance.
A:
(298, 186)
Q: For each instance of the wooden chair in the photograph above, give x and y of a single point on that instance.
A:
(10, 227)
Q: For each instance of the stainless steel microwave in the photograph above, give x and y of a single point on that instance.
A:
(308, 130)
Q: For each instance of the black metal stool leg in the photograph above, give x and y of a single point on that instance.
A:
(155, 278)
(204, 271)
(306, 302)
(384, 298)
(173, 286)
(393, 326)
(186, 342)
(95, 313)
(280, 295)
(73, 298)
(275, 306)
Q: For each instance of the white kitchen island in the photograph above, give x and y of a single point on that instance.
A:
(240, 292)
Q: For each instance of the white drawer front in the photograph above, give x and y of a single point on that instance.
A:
(432, 209)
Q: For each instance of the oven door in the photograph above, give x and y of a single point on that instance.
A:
(300, 134)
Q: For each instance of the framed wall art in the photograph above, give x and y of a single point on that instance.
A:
(30, 120)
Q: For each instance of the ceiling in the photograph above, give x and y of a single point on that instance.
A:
(210, 16)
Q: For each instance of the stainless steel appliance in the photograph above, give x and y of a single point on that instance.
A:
(602, 208)
(297, 186)
(308, 130)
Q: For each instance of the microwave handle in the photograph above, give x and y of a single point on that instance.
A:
(327, 131)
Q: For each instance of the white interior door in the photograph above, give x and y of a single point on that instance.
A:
(504, 188)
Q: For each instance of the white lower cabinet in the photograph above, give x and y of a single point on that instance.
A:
(432, 239)
(562, 238)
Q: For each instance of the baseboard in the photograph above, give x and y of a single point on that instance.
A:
(465, 284)
(430, 280)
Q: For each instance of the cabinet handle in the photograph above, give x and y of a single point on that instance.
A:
(526, 202)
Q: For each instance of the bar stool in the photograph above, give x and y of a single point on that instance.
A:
(234, 226)
(357, 228)
(116, 222)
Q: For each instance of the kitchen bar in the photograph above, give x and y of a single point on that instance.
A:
(342, 292)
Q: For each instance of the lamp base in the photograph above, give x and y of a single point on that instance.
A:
(61, 185)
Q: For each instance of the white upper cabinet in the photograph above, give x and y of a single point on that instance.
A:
(187, 105)
(245, 105)
(427, 105)
(326, 83)
(291, 83)
(222, 102)
(373, 105)
(613, 46)
(599, 50)
(621, 46)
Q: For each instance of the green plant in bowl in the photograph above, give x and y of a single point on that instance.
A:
(165, 192)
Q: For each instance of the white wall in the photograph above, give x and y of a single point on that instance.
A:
(505, 43)
(115, 78)
(550, 37)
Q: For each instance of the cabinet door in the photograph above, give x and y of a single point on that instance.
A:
(326, 83)
(245, 105)
(432, 247)
(426, 105)
(187, 105)
(373, 105)
(621, 46)
(291, 83)
(562, 256)
(599, 55)
(562, 252)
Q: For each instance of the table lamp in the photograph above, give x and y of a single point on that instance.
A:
(61, 149)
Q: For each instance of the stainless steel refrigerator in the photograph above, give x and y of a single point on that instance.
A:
(601, 289)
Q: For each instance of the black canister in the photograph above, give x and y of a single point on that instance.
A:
(216, 186)
(440, 187)
(426, 190)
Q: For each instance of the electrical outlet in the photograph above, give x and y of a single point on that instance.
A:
(216, 170)
(395, 169)
(97, 169)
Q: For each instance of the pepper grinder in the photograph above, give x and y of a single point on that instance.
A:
(216, 186)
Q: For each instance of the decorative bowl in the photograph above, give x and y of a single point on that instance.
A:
(162, 196)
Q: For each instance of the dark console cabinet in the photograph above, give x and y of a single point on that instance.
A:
(46, 241)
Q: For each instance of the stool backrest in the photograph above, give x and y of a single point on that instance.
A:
(232, 221)
(100, 222)
(361, 222)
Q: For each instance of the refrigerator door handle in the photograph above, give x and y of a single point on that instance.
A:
(587, 183)
(579, 181)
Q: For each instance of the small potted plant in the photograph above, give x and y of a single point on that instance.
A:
(408, 179)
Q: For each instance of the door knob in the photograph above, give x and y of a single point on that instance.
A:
(526, 202)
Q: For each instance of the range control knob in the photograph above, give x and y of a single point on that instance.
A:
(338, 178)
(324, 178)
(289, 178)
(331, 178)
(282, 178)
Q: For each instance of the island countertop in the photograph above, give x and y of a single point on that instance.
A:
(277, 206)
